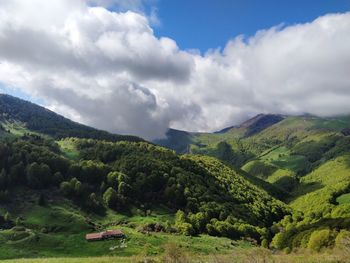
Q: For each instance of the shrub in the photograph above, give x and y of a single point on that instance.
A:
(186, 229)
(343, 239)
(278, 241)
(264, 243)
(319, 239)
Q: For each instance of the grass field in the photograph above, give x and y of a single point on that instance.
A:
(275, 154)
(58, 230)
(294, 163)
(343, 199)
(320, 187)
(68, 148)
(176, 255)
(15, 127)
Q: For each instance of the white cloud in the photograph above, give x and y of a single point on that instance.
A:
(108, 70)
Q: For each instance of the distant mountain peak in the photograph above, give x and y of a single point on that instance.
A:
(260, 122)
(255, 124)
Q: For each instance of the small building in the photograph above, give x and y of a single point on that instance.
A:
(109, 234)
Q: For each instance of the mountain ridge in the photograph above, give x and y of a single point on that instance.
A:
(257, 187)
(43, 120)
(54, 185)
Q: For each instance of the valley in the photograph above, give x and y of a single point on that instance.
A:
(275, 183)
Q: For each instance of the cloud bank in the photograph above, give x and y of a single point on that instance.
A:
(108, 70)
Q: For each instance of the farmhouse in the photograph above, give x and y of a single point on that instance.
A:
(109, 234)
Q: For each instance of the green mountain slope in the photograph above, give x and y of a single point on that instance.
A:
(55, 188)
(307, 157)
(320, 189)
(20, 116)
(286, 147)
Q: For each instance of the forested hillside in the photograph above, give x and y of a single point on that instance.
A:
(281, 182)
(47, 175)
(15, 113)
(307, 157)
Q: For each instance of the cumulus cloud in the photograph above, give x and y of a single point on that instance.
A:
(107, 69)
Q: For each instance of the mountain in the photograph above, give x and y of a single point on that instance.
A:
(60, 180)
(20, 115)
(306, 156)
(181, 141)
(259, 123)
(281, 182)
(256, 136)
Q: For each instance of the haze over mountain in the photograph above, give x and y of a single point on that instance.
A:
(106, 68)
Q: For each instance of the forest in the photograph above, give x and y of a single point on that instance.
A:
(281, 184)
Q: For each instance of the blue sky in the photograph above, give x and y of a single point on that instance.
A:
(209, 24)
(107, 69)
(204, 24)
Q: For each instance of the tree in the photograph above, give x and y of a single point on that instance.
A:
(112, 179)
(264, 243)
(124, 189)
(110, 197)
(278, 241)
(342, 240)
(17, 174)
(93, 172)
(319, 239)
(4, 196)
(7, 217)
(93, 203)
(41, 200)
(38, 176)
(3, 179)
(66, 188)
(182, 225)
(57, 178)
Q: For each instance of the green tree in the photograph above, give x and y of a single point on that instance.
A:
(110, 197)
(343, 239)
(17, 174)
(41, 200)
(112, 179)
(66, 189)
(319, 239)
(124, 189)
(3, 179)
(7, 217)
(38, 176)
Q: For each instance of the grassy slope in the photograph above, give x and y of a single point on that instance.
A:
(67, 224)
(236, 255)
(343, 199)
(68, 148)
(58, 230)
(270, 143)
(320, 188)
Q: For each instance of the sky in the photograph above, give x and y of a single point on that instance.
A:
(141, 66)
(206, 24)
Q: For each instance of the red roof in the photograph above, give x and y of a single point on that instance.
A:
(101, 235)
(93, 236)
